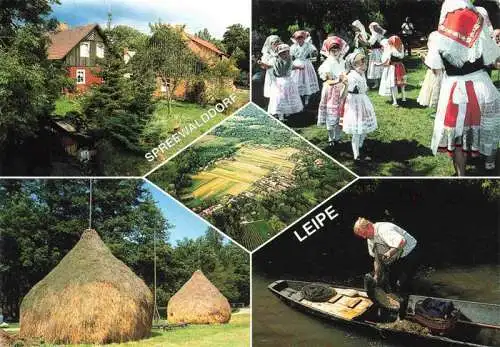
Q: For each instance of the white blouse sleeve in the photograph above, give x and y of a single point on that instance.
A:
(433, 60)
(323, 70)
(352, 82)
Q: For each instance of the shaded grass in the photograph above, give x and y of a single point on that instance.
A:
(235, 333)
(401, 144)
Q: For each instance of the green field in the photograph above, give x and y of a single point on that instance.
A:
(236, 175)
(256, 233)
(235, 333)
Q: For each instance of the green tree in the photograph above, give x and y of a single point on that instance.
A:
(236, 39)
(169, 57)
(125, 37)
(29, 82)
(119, 109)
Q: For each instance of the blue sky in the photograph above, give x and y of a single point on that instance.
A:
(186, 223)
(215, 15)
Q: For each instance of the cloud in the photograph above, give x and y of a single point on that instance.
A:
(215, 15)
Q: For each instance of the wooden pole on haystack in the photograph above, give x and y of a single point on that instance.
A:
(156, 313)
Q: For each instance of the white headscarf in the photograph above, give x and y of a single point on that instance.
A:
(267, 49)
(361, 28)
(486, 17)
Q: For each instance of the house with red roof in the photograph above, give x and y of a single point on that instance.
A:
(80, 48)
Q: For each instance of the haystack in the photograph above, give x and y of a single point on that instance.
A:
(198, 302)
(89, 297)
(6, 339)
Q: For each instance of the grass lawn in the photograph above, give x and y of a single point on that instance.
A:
(235, 333)
(401, 144)
(66, 104)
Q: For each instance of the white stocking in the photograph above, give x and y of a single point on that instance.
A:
(403, 92)
(306, 100)
(356, 138)
(331, 135)
(394, 92)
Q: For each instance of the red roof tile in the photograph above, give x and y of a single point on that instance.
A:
(204, 43)
(64, 41)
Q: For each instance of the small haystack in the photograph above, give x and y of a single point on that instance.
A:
(198, 302)
(89, 297)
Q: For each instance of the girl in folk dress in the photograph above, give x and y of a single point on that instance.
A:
(359, 115)
(360, 37)
(375, 42)
(429, 93)
(333, 72)
(305, 78)
(394, 72)
(468, 114)
(268, 59)
(284, 96)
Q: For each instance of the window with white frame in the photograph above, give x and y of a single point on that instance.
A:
(85, 49)
(80, 76)
(99, 50)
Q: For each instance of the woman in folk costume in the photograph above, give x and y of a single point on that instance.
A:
(429, 93)
(375, 58)
(305, 78)
(267, 60)
(468, 114)
(359, 115)
(394, 72)
(284, 97)
(360, 37)
(334, 74)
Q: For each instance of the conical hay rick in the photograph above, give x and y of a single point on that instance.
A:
(89, 297)
(198, 302)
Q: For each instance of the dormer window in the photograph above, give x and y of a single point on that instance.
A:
(100, 50)
(85, 49)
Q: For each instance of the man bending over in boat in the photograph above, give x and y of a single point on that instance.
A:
(393, 250)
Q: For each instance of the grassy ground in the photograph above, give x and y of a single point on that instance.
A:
(66, 104)
(235, 333)
(401, 144)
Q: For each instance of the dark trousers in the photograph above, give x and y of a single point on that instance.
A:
(406, 43)
(403, 270)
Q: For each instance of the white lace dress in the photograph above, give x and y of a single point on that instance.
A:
(359, 115)
(306, 79)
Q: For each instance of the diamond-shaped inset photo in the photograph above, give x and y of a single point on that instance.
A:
(251, 177)
(402, 88)
(113, 262)
(381, 264)
(116, 88)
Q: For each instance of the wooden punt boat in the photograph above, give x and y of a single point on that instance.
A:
(478, 324)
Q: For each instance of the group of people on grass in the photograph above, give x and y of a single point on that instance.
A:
(467, 120)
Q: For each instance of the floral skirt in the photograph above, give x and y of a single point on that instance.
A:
(331, 106)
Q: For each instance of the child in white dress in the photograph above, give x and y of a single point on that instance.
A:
(429, 93)
(306, 78)
(359, 115)
(333, 72)
(394, 72)
(284, 96)
(374, 72)
(267, 60)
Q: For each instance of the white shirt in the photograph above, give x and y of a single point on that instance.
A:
(390, 235)
(333, 67)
